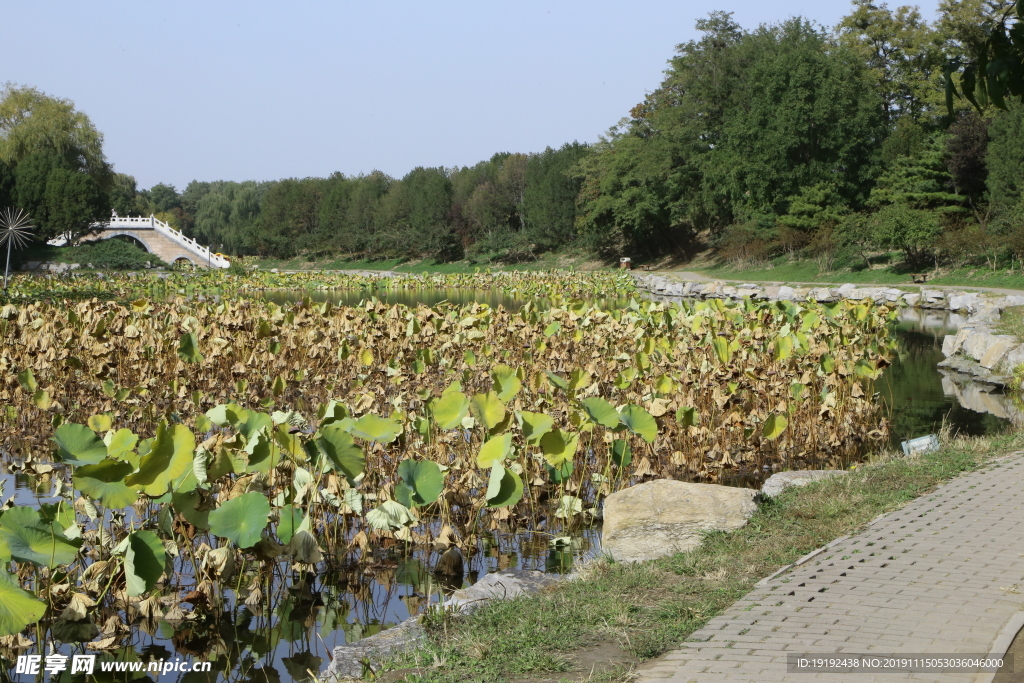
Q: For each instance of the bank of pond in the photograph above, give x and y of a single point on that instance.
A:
(252, 481)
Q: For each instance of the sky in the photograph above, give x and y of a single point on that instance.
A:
(224, 90)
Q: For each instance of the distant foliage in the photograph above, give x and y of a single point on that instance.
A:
(118, 254)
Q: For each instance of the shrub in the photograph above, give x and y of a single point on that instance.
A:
(116, 254)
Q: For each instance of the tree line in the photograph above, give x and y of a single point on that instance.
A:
(784, 139)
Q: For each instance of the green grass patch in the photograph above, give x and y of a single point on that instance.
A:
(646, 609)
(1011, 321)
(786, 271)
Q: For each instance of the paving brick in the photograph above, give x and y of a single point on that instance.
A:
(944, 594)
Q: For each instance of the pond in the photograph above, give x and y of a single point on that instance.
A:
(921, 397)
(292, 634)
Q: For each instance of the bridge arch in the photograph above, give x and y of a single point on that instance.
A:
(131, 234)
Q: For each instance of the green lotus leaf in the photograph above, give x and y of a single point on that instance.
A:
(579, 379)
(188, 348)
(389, 516)
(104, 482)
(18, 607)
(561, 473)
(169, 457)
(774, 426)
(79, 445)
(783, 348)
(100, 424)
(27, 380)
(601, 411)
(559, 447)
(622, 455)
(374, 428)
(332, 411)
(828, 364)
(121, 445)
(535, 426)
(144, 560)
(30, 538)
(640, 422)
(254, 423)
(419, 482)
(449, 409)
(722, 350)
(687, 417)
(341, 451)
(494, 450)
(226, 415)
(557, 381)
(290, 518)
(504, 488)
(264, 453)
(241, 520)
(187, 504)
(488, 410)
(506, 383)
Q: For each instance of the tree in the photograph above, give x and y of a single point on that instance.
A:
(993, 71)
(123, 193)
(73, 203)
(549, 198)
(966, 151)
(1005, 160)
(912, 231)
(901, 51)
(32, 122)
(164, 197)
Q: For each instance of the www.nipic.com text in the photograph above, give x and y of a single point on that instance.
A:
(86, 664)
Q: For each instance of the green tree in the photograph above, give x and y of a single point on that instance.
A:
(73, 203)
(912, 231)
(903, 54)
(1005, 159)
(549, 198)
(32, 122)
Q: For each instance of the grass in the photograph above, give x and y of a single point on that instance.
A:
(1011, 321)
(646, 609)
(893, 273)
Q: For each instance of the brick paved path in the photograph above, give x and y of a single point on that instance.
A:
(945, 574)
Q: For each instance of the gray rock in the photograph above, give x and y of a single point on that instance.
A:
(786, 294)
(664, 517)
(777, 483)
(346, 660)
(912, 299)
(503, 585)
(30, 265)
(963, 302)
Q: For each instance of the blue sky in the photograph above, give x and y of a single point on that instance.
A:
(259, 90)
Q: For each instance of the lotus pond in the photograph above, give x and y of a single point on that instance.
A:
(252, 482)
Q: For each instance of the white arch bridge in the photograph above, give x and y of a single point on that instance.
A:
(158, 238)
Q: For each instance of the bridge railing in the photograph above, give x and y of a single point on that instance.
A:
(154, 223)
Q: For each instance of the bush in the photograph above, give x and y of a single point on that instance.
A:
(116, 254)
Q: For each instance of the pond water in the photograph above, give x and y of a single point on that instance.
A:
(921, 397)
(283, 639)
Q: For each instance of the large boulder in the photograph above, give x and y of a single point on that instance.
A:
(777, 483)
(664, 517)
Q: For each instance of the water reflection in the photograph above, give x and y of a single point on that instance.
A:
(913, 388)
